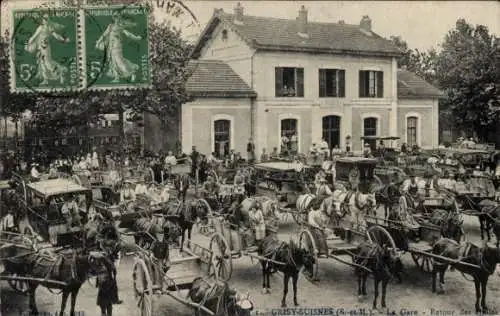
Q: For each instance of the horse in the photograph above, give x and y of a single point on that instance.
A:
(184, 216)
(70, 269)
(354, 203)
(181, 184)
(270, 207)
(450, 223)
(490, 219)
(219, 298)
(292, 257)
(387, 196)
(382, 262)
(486, 258)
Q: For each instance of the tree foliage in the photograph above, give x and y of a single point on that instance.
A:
(469, 71)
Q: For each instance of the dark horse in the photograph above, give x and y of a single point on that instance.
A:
(181, 184)
(382, 262)
(450, 222)
(485, 258)
(219, 298)
(69, 270)
(388, 197)
(288, 258)
(489, 218)
(184, 215)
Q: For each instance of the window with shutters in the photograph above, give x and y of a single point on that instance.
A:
(289, 82)
(332, 83)
(411, 131)
(371, 84)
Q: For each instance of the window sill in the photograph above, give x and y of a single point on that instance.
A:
(329, 97)
(288, 97)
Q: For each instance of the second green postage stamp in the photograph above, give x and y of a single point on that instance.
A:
(117, 47)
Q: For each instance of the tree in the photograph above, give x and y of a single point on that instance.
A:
(468, 69)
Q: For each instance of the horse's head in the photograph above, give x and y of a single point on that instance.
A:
(452, 226)
(392, 259)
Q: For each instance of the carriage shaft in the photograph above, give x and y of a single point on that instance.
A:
(188, 303)
(42, 281)
(448, 260)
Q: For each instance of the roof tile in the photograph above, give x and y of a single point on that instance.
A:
(282, 34)
(412, 86)
(213, 78)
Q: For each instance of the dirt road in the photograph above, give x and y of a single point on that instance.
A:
(337, 289)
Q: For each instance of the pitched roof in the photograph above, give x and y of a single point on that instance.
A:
(213, 78)
(281, 34)
(412, 86)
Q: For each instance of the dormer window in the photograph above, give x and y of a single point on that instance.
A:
(224, 35)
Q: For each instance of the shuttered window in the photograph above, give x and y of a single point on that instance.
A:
(332, 83)
(411, 131)
(289, 82)
(371, 84)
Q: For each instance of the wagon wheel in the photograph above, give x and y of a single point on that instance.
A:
(379, 235)
(306, 241)
(222, 261)
(209, 228)
(423, 262)
(18, 285)
(143, 288)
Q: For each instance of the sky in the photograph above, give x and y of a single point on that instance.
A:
(423, 24)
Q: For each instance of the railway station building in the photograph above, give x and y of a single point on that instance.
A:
(262, 78)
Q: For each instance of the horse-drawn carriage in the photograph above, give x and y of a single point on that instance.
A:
(357, 170)
(195, 271)
(42, 207)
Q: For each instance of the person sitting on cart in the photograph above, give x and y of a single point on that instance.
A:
(170, 161)
(70, 212)
(127, 194)
(160, 259)
(35, 174)
(141, 188)
(367, 150)
(211, 188)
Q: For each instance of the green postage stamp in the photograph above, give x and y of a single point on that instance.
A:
(45, 50)
(116, 48)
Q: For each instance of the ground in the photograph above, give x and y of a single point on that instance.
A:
(337, 289)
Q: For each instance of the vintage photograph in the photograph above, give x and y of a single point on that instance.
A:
(241, 158)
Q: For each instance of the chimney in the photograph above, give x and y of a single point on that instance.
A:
(366, 24)
(238, 14)
(302, 22)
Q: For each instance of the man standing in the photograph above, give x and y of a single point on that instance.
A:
(250, 151)
(195, 155)
(35, 174)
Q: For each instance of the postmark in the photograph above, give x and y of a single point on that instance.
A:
(116, 47)
(45, 50)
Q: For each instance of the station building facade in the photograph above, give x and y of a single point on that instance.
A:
(262, 78)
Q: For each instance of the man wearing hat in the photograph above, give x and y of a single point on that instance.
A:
(127, 194)
(210, 187)
(8, 223)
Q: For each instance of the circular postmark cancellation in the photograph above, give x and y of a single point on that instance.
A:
(44, 49)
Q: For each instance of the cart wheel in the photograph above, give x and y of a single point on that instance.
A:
(18, 285)
(423, 262)
(379, 235)
(143, 288)
(222, 261)
(306, 241)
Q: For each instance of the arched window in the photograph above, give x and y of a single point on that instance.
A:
(370, 129)
(331, 130)
(289, 129)
(222, 137)
(411, 130)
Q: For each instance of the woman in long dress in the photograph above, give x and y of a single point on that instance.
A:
(111, 42)
(48, 69)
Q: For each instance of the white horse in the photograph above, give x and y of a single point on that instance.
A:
(270, 207)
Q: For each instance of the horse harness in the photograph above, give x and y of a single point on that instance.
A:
(345, 205)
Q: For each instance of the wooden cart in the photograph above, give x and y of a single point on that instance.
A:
(196, 261)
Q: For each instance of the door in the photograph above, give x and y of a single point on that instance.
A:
(331, 130)
(222, 131)
(370, 129)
